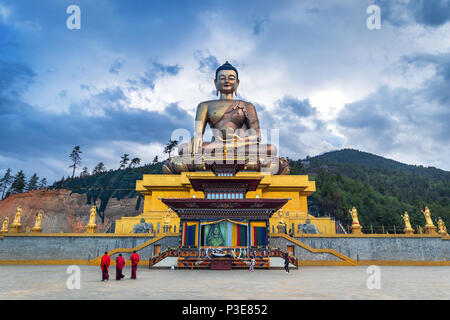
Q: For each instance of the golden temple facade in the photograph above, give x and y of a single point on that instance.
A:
(295, 188)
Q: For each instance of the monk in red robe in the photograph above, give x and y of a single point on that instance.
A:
(104, 265)
(120, 263)
(134, 263)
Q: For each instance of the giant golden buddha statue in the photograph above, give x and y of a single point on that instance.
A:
(236, 133)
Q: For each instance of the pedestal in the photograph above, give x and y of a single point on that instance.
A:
(221, 264)
(430, 230)
(36, 230)
(356, 229)
(408, 231)
(91, 229)
(16, 228)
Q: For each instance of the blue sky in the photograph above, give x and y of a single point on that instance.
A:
(136, 71)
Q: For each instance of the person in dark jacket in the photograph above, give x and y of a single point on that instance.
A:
(286, 263)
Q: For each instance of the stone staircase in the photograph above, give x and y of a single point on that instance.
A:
(339, 255)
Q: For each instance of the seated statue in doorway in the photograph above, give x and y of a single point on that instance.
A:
(236, 133)
(215, 237)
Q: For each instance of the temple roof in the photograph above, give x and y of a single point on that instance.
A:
(212, 208)
(249, 183)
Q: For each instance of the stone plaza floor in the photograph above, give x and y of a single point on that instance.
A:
(49, 282)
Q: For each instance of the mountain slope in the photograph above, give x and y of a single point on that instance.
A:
(380, 188)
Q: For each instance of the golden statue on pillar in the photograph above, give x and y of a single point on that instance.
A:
(91, 226)
(442, 229)
(37, 225)
(5, 225)
(167, 226)
(281, 222)
(16, 226)
(408, 228)
(236, 133)
(356, 227)
(429, 228)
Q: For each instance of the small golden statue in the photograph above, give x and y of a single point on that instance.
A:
(356, 227)
(426, 213)
(167, 226)
(281, 222)
(408, 228)
(37, 225)
(442, 229)
(354, 214)
(91, 226)
(5, 225)
(429, 228)
(16, 226)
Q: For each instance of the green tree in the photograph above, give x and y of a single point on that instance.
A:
(43, 183)
(99, 168)
(170, 146)
(134, 162)
(18, 185)
(155, 160)
(124, 161)
(5, 182)
(85, 172)
(76, 159)
(32, 183)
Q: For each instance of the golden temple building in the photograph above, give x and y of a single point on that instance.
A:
(295, 188)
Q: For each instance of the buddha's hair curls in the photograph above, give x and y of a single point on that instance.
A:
(227, 66)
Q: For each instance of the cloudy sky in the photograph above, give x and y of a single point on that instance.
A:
(136, 71)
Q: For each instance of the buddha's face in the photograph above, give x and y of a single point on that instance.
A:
(226, 81)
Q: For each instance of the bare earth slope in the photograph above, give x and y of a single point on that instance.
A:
(62, 211)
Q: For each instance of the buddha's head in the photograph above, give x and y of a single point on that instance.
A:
(227, 79)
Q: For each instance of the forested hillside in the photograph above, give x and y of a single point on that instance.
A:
(381, 189)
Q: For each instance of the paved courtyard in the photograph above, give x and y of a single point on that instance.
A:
(49, 282)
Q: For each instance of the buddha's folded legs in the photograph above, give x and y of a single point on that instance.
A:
(272, 164)
(218, 148)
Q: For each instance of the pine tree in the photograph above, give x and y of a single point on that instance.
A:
(5, 182)
(155, 160)
(134, 162)
(85, 172)
(76, 159)
(99, 168)
(32, 183)
(43, 183)
(124, 160)
(18, 185)
(170, 146)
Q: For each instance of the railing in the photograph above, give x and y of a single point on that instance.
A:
(217, 252)
(277, 252)
(381, 229)
(170, 252)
